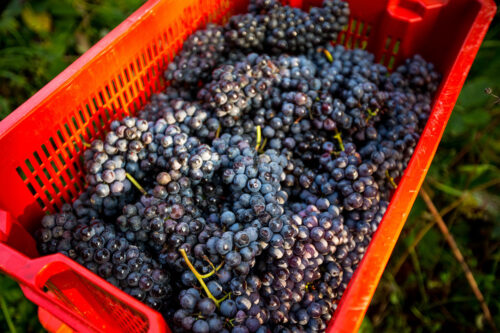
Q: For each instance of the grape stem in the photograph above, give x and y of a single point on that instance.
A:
(217, 134)
(391, 180)
(136, 184)
(338, 137)
(259, 138)
(230, 322)
(371, 114)
(215, 269)
(200, 278)
(86, 144)
(298, 120)
(261, 149)
(328, 55)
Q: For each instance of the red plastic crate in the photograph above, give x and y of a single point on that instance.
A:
(41, 141)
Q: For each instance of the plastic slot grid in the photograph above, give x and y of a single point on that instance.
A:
(54, 174)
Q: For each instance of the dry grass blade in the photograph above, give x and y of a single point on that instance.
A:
(411, 247)
(421, 234)
(458, 255)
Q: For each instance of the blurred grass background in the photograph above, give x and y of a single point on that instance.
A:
(423, 288)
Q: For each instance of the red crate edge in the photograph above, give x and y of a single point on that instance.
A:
(357, 297)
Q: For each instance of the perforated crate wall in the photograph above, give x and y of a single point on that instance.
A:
(42, 141)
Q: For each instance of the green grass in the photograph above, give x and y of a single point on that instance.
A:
(38, 39)
(422, 290)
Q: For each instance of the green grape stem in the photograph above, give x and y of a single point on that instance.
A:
(391, 180)
(259, 138)
(200, 278)
(85, 144)
(136, 184)
(261, 149)
(217, 134)
(371, 114)
(338, 137)
(328, 55)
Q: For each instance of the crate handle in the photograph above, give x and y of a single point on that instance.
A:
(31, 276)
(15, 234)
(20, 260)
(34, 275)
(40, 279)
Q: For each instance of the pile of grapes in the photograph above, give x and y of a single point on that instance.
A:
(243, 197)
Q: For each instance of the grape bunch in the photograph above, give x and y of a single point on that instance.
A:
(277, 29)
(237, 88)
(105, 251)
(243, 196)
(201, 52)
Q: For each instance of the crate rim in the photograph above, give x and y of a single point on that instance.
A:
(356, 299)
(351, 311)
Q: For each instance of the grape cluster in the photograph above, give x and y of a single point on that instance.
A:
(201, 52)
(243, 197)
(106, 252)
(306, 237)
(354, 96)
(262, 6)
(278, 29)
(410, 89)
(169, 108)
(237, 88)
(108, 161)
